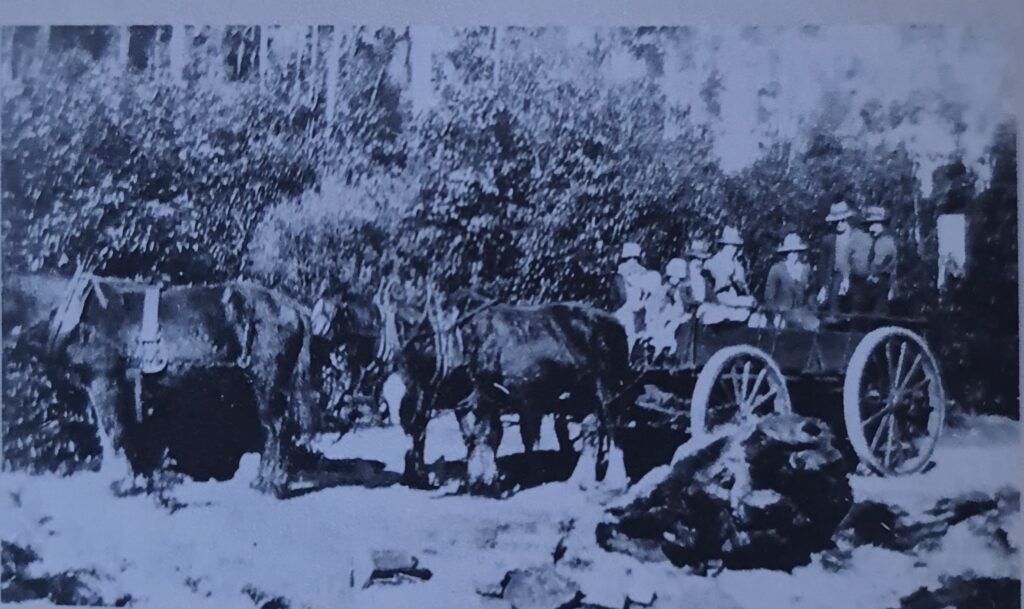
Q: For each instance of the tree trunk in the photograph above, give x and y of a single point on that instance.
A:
(263, 55)
(7, 59)
(331, 86)
(40, 51)
(124, 39)
(178, 52)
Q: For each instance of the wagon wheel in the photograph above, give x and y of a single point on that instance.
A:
(736, 383)
(893, 401)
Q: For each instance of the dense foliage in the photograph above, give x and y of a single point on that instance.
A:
(47, 425)
(522, 180)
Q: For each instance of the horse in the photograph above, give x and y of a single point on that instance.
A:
(222, 329)
(350, 343)
(482, 360)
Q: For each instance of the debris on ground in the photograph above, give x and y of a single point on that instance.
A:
(765, 499)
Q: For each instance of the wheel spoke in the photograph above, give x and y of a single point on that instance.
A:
(884, 411)
(746, 382)
(757, 382)
(926, 381)
(734, 374)
(887, 460)
(764, 398)
(910, 372)
(888, 360)
(876, 439)
(894, 377)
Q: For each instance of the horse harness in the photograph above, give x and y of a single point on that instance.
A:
(150, 355)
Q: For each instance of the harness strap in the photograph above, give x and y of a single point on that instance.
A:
(69, 313)
(150, 314)
(151, 355)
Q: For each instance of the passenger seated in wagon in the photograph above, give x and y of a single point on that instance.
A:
(686, 288)
(637, 290)
(731, 300)
(785, 293)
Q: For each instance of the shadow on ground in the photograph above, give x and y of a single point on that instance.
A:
(516, 472)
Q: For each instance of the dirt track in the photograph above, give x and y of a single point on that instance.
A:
(314, 550)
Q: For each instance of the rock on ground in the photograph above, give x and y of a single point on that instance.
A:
(22, 581)
(967, 593)
(538, 588)
(765, 497)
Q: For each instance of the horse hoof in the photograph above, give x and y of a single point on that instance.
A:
(415, 481)
(270, 487)
(482, 489)
(127, 487)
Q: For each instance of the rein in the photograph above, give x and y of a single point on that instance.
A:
(379, 362)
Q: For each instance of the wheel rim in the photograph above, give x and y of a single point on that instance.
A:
(736, 386)
(899, 404)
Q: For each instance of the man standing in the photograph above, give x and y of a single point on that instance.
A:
(881, 280)
(843, 268)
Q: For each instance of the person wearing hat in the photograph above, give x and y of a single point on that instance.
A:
(728, 274)
(633, 291)
(671, 309)
(843, 262)
(698, 280)
(785, 293)
(731, 296)
(881, 284)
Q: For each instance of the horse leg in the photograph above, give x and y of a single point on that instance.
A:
(482, 431)
(611, 467)
(414, 416)
(106, 397)
(273, 378)
(599, 448)
(565, 445)
(272, 476)
(529, 429)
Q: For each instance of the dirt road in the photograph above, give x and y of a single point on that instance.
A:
(229, 545)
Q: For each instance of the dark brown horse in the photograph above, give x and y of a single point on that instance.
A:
(480, 361)
(349, 343)
(232, 328)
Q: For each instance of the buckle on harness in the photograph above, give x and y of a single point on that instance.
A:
(151, 356)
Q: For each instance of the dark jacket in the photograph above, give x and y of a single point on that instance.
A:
(853, 260)
(782, 292)
(882, 260)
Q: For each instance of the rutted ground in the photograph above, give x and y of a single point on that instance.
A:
(232, 547)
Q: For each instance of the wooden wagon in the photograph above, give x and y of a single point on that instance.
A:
(888, 381)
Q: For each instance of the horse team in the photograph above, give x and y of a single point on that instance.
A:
(480, 359)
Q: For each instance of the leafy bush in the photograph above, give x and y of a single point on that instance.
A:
(47, 423)
(522, 180)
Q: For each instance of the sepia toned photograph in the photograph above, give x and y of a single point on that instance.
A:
(318, 316)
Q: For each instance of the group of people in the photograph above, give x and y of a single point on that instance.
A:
(855, 274)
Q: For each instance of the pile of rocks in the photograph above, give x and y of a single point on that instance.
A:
(768, 496)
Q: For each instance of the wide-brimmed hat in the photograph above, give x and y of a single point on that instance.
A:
(792, 243)
(876, 213)
(676, 267)
(839, 211)
(699, 248)
(630, 250)
(730, 236)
